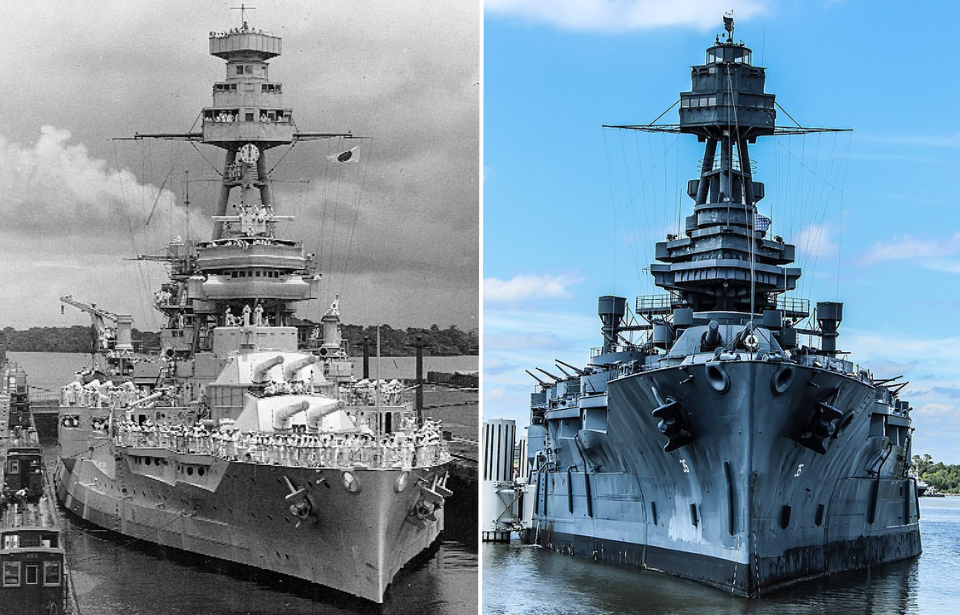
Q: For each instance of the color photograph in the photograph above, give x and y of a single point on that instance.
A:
(718, 262)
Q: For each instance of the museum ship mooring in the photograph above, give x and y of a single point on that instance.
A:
(719, 448)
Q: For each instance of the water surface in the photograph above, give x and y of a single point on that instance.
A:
(527, 579)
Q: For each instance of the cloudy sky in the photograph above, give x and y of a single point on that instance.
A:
(571, 211)
(396, 233)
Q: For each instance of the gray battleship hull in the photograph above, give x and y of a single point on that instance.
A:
(238, 512)
(744, 506)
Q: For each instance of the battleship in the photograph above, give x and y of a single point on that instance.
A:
(703, 439)
(248, 439)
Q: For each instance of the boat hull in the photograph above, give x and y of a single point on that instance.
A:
(354, 542)
(743, 506)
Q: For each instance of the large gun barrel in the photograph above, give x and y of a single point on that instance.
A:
(576, 369)
(260, 371)
(534, 376)
(149, 398)
(281, 416)
(320, 408)
(712, 336)
(557, 378)
(290, 370)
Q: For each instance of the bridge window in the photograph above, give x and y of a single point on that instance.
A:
(51, 574)
(11, 541)
(11, 574)
(240, 69)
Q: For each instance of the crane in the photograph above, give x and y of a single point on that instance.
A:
(115, 337)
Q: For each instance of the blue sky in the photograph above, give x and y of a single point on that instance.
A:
(571, 211)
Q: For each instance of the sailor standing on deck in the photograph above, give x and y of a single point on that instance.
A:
(406, 453)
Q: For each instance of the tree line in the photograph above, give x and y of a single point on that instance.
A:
(402, 342)
(946, 478)
(78, 338)
(393, 342)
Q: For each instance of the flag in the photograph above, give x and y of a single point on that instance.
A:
(761, 223)
(347, 156)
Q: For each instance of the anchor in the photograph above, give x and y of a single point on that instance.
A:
(430, 500)
(301, 506)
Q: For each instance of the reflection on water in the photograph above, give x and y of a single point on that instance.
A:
(528, 579)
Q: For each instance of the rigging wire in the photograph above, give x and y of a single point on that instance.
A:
(140, 279)
(356, 217)
(212, 166)
(749, 217)
(332, 228)
(635, 251)
(843, 182)
(614, 194)
(289, 149)
(643, 196)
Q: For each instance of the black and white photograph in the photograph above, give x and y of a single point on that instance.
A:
(240, 310)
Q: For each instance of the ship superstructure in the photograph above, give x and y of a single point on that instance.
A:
(249, 440)
(719, 448)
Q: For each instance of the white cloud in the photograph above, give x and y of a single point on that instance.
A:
(621, 15)
(56, 187)
(495, 393)
(523, 286)
(932, 367)
(944, 266)
(908, 248)
(495, 366)
(817, 241)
